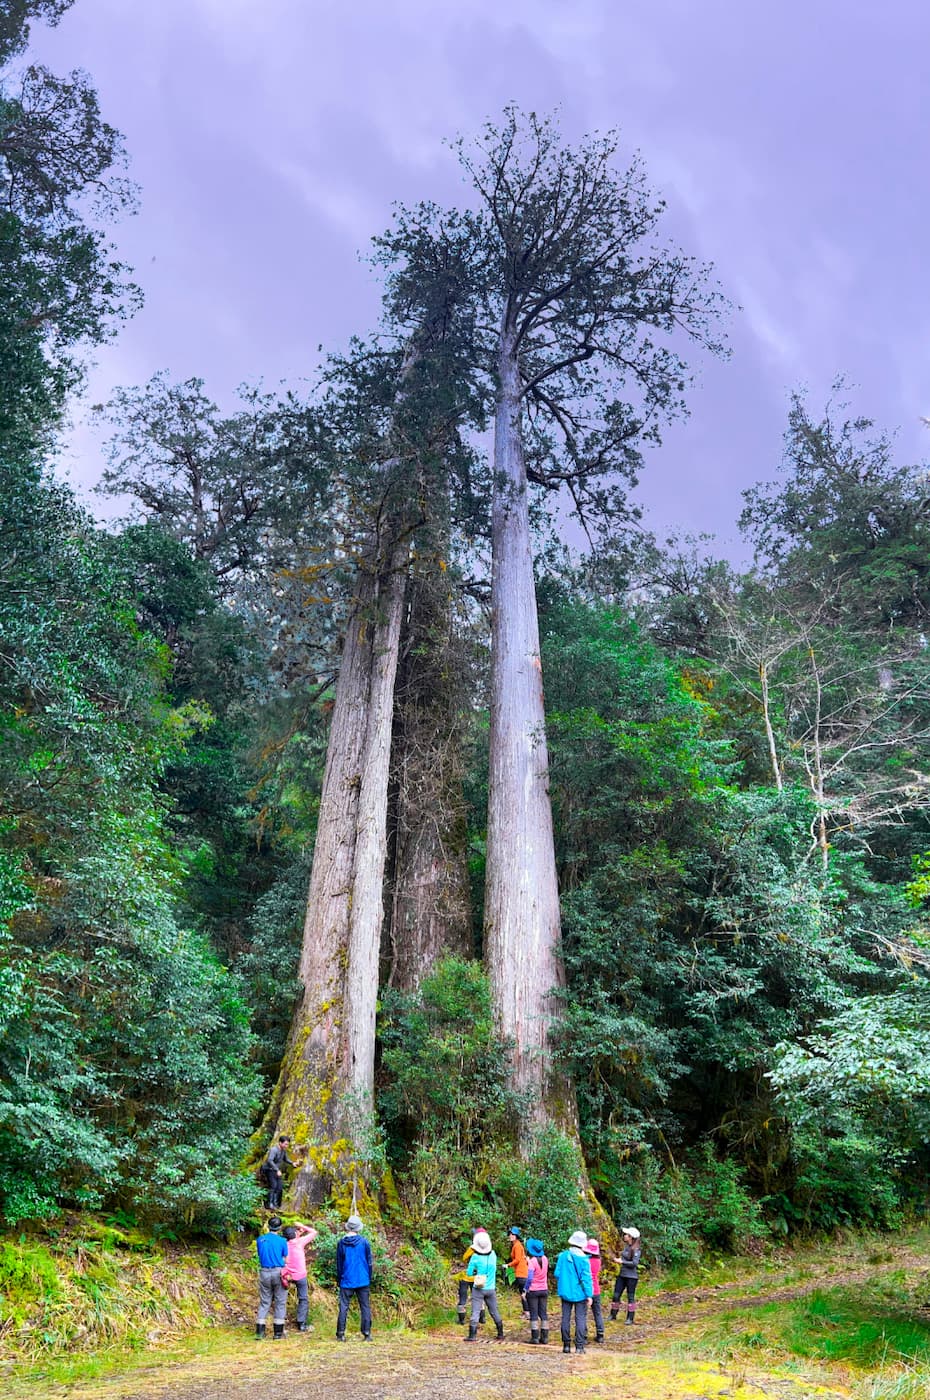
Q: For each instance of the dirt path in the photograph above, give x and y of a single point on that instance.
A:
(633, 1364)
(434, 1367)
(647, 1362)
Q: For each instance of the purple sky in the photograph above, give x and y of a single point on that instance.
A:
(270, 138)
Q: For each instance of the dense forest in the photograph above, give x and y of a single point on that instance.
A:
(381, 780)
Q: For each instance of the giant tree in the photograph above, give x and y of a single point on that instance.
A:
(588, 314)
(399, 410)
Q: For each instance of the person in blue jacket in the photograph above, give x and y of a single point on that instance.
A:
(576, 1289)
(353, 1275)
(271, 1249)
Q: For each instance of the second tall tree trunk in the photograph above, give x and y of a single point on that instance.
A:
(522, 926)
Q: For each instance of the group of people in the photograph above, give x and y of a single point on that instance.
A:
(577, 1281)
(282, 1262)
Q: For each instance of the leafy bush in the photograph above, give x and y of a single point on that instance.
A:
(658, 1200)
(726, 1216)
(542, 1193)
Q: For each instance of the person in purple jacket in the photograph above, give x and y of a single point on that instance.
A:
(353, 1275)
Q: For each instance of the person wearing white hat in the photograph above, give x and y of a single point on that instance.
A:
(628, 1276)
(576, 1289)
(482, 1270)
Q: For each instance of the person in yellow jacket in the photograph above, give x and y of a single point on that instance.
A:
(465, 1284)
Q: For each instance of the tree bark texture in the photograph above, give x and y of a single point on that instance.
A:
(326, 1080)
(522, 925)
(430, 906)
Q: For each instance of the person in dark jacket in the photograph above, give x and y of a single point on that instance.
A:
(273, 1171)
(628, 1276)
(271, 1249)
(353, 1275)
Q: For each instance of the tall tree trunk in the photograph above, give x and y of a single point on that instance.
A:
(307, 1098)
(430, 907)
(767, 719)
(367, 912)
(522, 927)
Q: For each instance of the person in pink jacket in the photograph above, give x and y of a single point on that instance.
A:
(593, 1251)
(537, 1291)
(295, 1269)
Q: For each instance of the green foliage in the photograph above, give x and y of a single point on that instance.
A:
(727, 1217)
(445, 1070)
(540, 1190)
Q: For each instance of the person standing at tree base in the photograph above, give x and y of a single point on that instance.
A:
(273, 1171)
(576, 1290)
(482, 1270)
(628, 1276)
(537, 1291)
(272, 1256)
(353, 1275)
(295, 1270)
(593, 1251)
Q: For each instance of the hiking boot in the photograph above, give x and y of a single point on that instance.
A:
(260, 1330)
(366, 1336)
(599, 1338)
(340, 1336)
(278, 1331)
(566, 1348)
(544, 1336)
(304, 1327)
(579, 1351)
(472, 1333)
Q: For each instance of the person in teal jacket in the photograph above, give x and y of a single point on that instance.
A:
(576, 1289)
(482, 1270)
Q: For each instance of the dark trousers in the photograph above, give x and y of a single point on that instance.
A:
(299, 1286)
(598, 1314)
(628, 1286)
(538, 1304)
(364, 1302)
(581, 1322)
(275, 1192)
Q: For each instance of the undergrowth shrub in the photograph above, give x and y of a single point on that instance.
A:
(726, 1216)
(839, 1182)
(541, 1194)
(444, 1100)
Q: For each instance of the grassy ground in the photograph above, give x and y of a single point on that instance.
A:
(850, 1319)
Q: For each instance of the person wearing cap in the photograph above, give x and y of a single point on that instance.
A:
(465, 1284)
(537, 1291)
(271, 1249)
(517, 1263)
(482, 1270)
(628, 1276)
(593, 1251)
(576, 1289)
(353, 1275)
